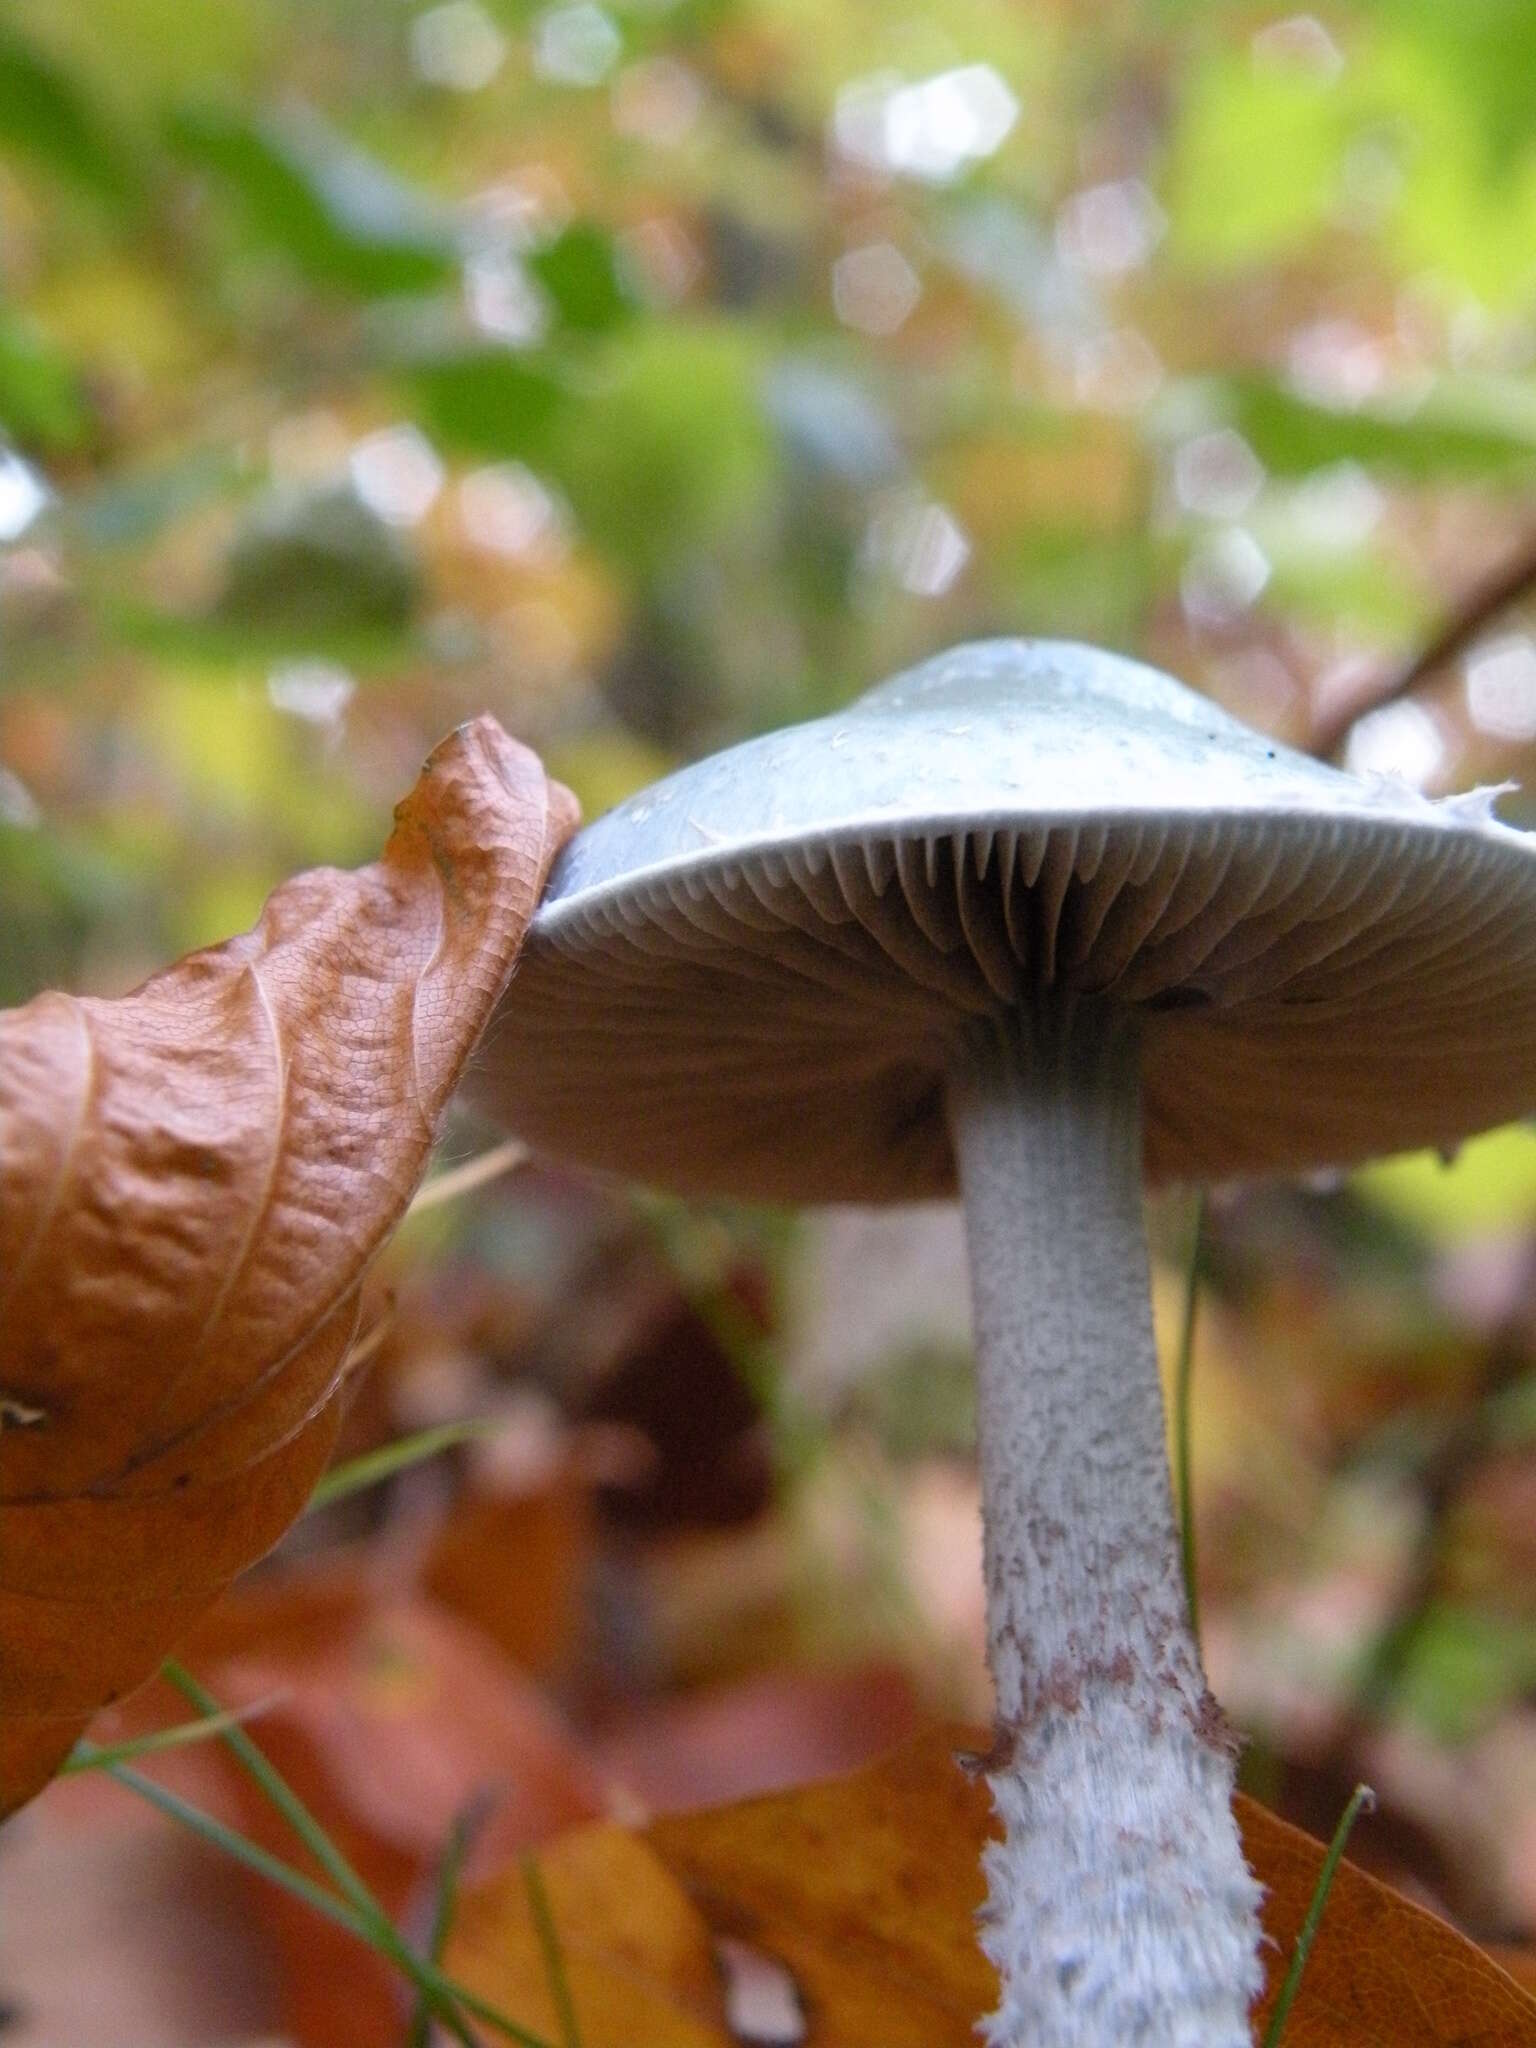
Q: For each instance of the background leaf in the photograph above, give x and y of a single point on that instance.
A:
(321, 201)
(45, 113)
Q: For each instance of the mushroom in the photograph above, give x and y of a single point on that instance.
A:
(1033, 918)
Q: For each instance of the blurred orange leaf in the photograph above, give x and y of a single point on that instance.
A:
(391, 1719)
(864, 1891)
(390, 1716)
(193, 1179)
(533, 1612)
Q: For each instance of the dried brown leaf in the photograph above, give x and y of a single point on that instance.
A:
(391, 1720)
(193, 1179)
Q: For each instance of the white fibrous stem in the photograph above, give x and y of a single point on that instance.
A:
(1120, 1910)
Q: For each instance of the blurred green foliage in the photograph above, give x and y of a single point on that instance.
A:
(653, 371)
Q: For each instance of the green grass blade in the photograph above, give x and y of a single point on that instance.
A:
(444, 1898)
(554, 1960)
(1362, 1800)
(210, 1829)
(282, 1796)
(97, 1756)
(384, 1935)
(1183, 1389)
(448, 1999)
(376, 1466)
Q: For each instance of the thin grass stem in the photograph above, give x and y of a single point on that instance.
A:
(554, 1959)
(282, 1796)
(386, 1937)
(1362, 1800)
(474, 1173)
(373, 1467)
(449, 2000)
(445, 1893)
(99, 1756)
(209, 1828)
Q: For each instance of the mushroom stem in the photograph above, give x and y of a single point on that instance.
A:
(1120, 1908)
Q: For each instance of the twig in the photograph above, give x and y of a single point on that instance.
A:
(554, 1960)
(1442, 1482)
(1464, 625)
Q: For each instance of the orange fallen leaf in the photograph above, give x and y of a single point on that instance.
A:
(864, 1890)
(636, 1952)
(532, 1611)
(193, 1179)
(403, 1718)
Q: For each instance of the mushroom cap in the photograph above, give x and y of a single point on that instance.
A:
(751, 978)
